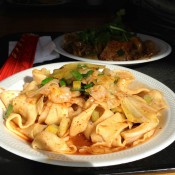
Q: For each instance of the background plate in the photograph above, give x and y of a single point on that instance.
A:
(161, 140)
(164, 47)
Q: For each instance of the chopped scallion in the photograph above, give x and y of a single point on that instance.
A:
(117, 28)
(9, 111)
(46, 80)
(88, 85)
(88, 73)
(100, 74)
(62, 82)
(81, 66)
(77, 75)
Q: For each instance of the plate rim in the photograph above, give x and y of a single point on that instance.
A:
(78, 162)
(167, 49)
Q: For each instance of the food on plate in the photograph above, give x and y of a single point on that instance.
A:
(83, 108)
(112, 42)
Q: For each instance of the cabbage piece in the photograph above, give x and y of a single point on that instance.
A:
(157, 101)
(137, 110)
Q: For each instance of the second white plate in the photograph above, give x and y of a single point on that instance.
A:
(164, 50)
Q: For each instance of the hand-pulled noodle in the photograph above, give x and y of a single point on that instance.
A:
(83, 109)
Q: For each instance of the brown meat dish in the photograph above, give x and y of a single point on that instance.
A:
(128, 50)
(113, 50)
(117, 51)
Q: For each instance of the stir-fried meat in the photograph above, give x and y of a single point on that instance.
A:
(133, 49)
(113, 50)
(117, 51)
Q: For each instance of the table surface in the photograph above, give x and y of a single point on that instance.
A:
(163, 70)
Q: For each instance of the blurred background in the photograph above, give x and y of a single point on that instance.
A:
(156, 17)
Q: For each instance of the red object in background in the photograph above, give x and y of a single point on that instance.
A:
(22, 56)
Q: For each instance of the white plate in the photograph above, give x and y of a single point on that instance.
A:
(164, 50)
(161, 140)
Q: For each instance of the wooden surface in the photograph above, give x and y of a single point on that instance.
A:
(58, 20)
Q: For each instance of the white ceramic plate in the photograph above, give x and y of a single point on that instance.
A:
(161, 140)
(164, 50)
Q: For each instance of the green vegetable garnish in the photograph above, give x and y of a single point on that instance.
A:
(81, 66)
(88, 73)
(46, 80)
(83, 87)
(117, 28)
(88, 85)
(62, 82)
(9, 111)
(100, 74)
(77, 75)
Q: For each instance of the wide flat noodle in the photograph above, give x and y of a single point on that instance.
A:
(91, 125)
(50, 142)
(138, 132)
(13, 127)
(7, 96)
(109, 130)
(85, 109)
(33, 130)
(52, 113)
(39, 75)
(80, 122)
(26, 108)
